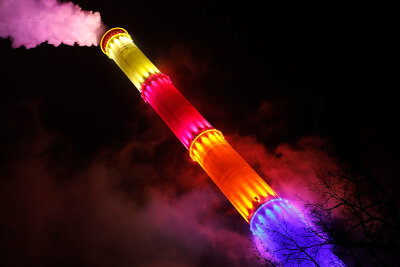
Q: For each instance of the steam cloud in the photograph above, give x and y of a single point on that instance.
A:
(31, 22)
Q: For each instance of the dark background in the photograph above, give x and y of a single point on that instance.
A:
(276, 73)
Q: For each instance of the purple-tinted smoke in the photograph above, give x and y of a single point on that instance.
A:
(31, 22)
(116, 211)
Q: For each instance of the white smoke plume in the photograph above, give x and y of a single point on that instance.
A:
(31, 22)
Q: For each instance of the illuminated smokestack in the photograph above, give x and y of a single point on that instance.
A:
(245, 189)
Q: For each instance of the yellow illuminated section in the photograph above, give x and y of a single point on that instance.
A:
(118, 45)
(244, 188)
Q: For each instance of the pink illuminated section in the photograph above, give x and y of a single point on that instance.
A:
(183, 119)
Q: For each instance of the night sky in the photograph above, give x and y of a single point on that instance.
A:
(90, 175)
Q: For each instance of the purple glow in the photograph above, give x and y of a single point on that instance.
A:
(282, 234)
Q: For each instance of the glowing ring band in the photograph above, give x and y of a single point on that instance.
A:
(197, 137)
(251, 216)
(148, 80)
(109, 35)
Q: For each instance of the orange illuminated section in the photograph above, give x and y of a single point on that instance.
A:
(244, 188)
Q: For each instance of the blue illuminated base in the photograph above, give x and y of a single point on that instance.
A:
(283, 236)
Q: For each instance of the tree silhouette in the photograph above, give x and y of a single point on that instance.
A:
(355, 218)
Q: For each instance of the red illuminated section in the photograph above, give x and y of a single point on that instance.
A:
(244, 188)
(180, 116)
